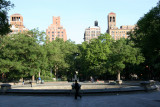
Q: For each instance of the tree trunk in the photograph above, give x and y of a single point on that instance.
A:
(33, 78)
(118, 76)
(51, 73)
(56, 68)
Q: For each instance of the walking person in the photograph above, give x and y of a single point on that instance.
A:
(23, 82)
(77, 88)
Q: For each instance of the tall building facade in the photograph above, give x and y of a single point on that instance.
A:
(55, 30)
(16, 21)
(116, 32)
(92, 32)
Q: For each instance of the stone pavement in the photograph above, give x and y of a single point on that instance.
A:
(151, 99)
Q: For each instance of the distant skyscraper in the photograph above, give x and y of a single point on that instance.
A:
(55, 30)
(92, 32)
(16, 21)
(114, 31)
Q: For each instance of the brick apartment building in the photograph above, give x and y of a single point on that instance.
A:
(92, 32)
(55, 30)
(16, 21)
(114, 31)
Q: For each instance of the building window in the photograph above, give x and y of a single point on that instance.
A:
(52, 38)
(110, 19)
(52, 32)
(48, 32)
(113, 19)
(62, 35)
(62, 32)
(52, 35)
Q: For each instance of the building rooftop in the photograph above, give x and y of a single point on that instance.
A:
(16, 14)
(111, 13)
(94, 27)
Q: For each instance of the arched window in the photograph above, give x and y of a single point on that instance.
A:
(110, 19)
(113, 19)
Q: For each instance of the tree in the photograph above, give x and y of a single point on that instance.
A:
(95, 55)
(147, 36)
(21, 56)
(83, 71)
(123, 52)
(4, 25)
(60, 56)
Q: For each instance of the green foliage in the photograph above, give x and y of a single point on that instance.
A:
(27, 54)
(4, 25)
(122, 53)
(21, 56)
(94, 55)
(60, 56)
(39, 36)
(147, 36)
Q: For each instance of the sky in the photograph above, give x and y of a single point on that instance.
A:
(77, 15)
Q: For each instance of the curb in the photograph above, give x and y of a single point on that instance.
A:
(83, 92)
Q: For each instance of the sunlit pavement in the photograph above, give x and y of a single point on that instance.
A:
(150, 99)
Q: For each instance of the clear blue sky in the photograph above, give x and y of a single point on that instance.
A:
(76, 15)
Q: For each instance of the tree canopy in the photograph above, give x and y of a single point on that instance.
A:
(147, 36)
(21, 56)
(122, 53)
(4, 24)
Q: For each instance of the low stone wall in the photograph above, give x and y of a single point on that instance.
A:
(83, 86)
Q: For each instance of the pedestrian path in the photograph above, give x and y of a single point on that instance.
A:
(126, 100)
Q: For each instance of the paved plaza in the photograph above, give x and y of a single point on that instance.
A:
(150, 99)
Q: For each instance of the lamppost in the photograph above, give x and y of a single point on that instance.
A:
(76, 75)
(76, 72)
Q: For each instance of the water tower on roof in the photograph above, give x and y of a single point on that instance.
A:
(96, 23)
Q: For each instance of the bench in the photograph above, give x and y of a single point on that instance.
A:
(111, 81)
